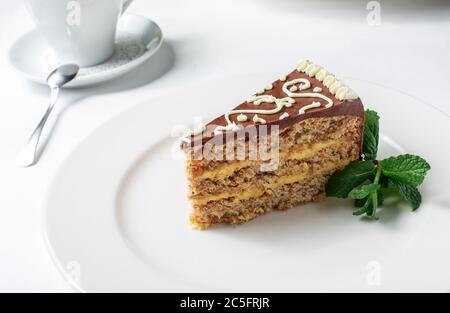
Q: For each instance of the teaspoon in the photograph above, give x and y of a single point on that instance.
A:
(56, 80)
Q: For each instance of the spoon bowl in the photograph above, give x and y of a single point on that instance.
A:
(62, 75)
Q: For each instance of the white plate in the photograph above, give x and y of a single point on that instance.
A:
(117, 216)
(138, 38)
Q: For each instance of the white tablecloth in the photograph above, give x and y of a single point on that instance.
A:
(205, 39)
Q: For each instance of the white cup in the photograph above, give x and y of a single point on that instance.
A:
(78, 31)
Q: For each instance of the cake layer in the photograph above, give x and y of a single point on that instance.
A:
(303, 151)
(271, 184)
(251, 176)
(281, 198)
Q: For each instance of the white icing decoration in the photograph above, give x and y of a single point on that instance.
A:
(284, 115)
(257, 119)
(293, 90)
(268, 87)
(309, 106)
(320, 76)
(197, 131)
(329, 81)
(186, 140)
(312, 70)
(257, 100)
(230, 127)
(351, 95)
(303, 65)
(303, 85)
(335, 87)
(242, 118)
(342, 91)
(306, 85)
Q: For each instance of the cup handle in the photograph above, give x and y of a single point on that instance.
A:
(126, 4)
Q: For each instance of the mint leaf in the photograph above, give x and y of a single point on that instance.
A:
(409, 193)
(367, 208)
(384, 181)
(363, 191)
(371, 136)
(342, 182)
(359, 203)
(380, 197)
(408, 169)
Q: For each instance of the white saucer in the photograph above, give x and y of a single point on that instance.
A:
(138, 38)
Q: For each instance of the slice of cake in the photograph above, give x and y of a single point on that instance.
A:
(274, 151)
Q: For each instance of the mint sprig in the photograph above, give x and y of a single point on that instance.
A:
(408, 169)
(356, 173)
(409, 193)
(363, 191)
(371, 135)
(367, 180)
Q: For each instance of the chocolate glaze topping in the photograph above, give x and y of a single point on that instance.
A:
(352, 107)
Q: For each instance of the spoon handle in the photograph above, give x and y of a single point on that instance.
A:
(29, 156)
